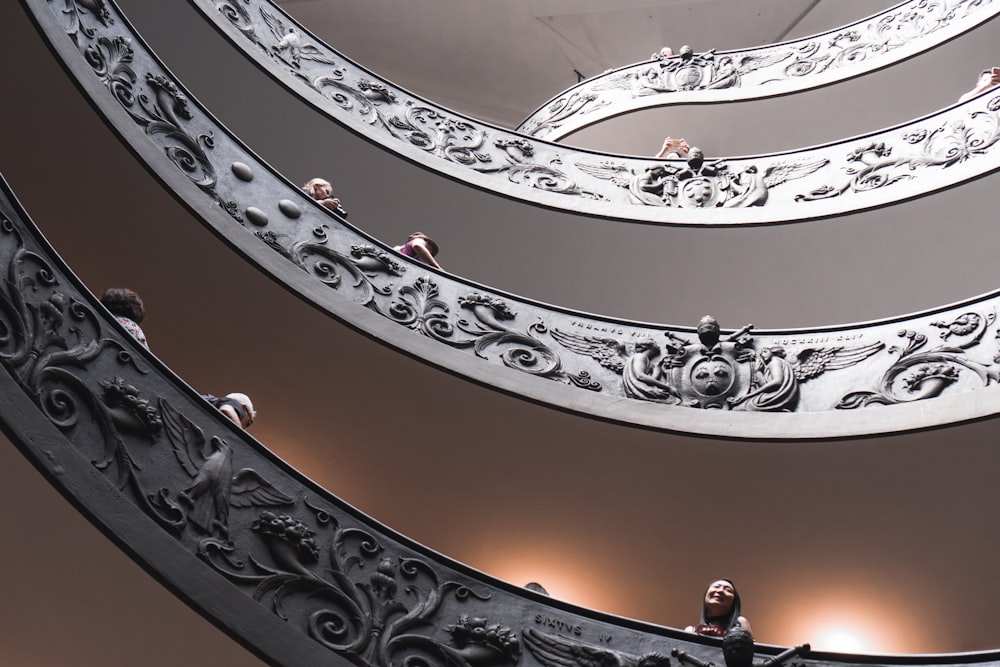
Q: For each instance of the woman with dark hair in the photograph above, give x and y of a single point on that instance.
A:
(720, 610)
(128, 309)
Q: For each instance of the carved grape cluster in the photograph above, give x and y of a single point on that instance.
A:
(290, 530)
(478, 630)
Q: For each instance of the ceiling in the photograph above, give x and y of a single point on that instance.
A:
(895, 534)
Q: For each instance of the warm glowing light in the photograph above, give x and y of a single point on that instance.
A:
(853, 620)
(842, 640)
(561, 574)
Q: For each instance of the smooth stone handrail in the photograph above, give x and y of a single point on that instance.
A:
(922, 370)
(881, 40)
(885, 167)
(286, 568)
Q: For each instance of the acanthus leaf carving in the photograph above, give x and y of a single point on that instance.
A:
(522, 169)
(367, 619)
(874, 166)
(847, 49)
(919, 374)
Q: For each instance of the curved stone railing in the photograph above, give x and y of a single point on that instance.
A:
(922, 370)
(886, 38)
(293, 573)
(893, 165)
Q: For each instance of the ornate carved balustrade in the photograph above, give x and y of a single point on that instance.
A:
(912, 372)
(883, 39)
(892, 165)
(286, 568)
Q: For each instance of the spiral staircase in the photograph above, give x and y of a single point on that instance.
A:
(351, 374)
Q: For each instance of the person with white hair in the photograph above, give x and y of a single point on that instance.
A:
(321, 190)
(238, 407)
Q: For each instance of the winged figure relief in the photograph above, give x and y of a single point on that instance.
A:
(559, 651)
(637, 363)
(729, 72)
(750, 188)
(214, 488)
(777, 378)
(290, 47)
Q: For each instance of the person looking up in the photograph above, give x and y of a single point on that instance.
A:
(720, 610)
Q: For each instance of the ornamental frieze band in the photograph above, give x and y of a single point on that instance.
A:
(300, 577)
(849, 51)
(799, 185)
(669, 377)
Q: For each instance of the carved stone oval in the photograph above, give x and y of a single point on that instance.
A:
(256, 216)
(242, 171)
(289, 208)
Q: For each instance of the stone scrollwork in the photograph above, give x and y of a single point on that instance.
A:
(87, 381)
(741, 191)
(837, 55)
(873, 165)
(658, 376)
(313, 573)
(275, 557)
(919, 373)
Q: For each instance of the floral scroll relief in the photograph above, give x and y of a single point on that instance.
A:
(873, 165)
(354, 596)
(919, 373)
(846, 49)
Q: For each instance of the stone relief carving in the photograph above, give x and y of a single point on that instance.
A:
(848, 51)
(160, 108)
(553, 175)
(214, 487)
(702, 184)
(872, 166)
(919, 374)
(312, 572)
(633, 362)
(559, 651)
(352, 590)
(715, 372)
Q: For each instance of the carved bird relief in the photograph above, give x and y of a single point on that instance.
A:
(290, 47)
(215, 488)
(559, 651)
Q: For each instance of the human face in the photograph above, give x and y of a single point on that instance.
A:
(719, 598)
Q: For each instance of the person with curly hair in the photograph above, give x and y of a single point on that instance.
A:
(128, 309)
